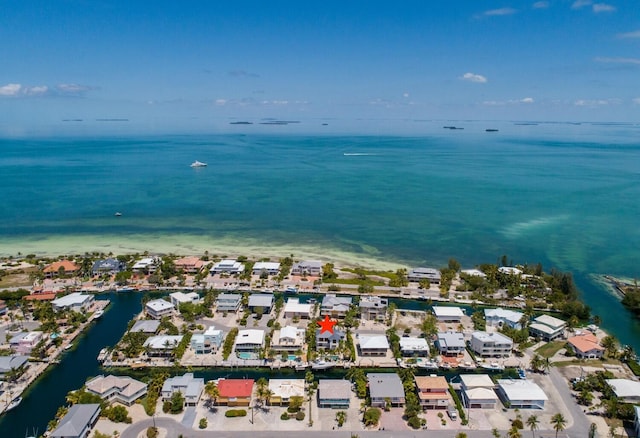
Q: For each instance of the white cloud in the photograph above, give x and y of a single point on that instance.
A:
(527, 100)
(603, 7)
(634, 34)
(36, 91)
(593, 103)
(72, 89)
(541, 5)
(499, 12)
(221, 102)
(633, 61)
(10, 90)
(405, 94)
(579, 4)
(472, 77)
(636, 100)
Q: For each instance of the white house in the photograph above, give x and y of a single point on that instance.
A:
(190, 387)
(547, 327)
(417, 274)
(288, 338)
(270, 268)
(207, 342)
(509, 270)
(125, 390)
(147, 264)
(373, 345)
(283, 389)
(162, 345)
(307, 267)
(24, 342)
(178, 298)
(448, 314)
(499, 317)
(626, 390)
(329, 341)
(264, 301)
(76, 301)
(491, 344)
(412, 346)
(294, 308)
(521, 393)
(334, 306)
(450, 343)
(156, 309)
(478, 391)
(78, 421)
(228, 302)
(385, 387)
(373, 308)
(474, 273)
(249, 340)
(227, 266)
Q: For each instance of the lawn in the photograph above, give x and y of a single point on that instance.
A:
(550, 348)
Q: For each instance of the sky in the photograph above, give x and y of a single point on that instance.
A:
(178, 66)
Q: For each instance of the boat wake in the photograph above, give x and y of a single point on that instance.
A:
(521, 228)
(358, 154)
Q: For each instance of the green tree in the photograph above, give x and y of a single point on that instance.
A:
(212, 391)
(533, 424)
(610, 345)
(372, 416)
(559, 423)
(341, 418)
(177, 402)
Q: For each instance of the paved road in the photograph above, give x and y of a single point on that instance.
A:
(174, 429)
(578, 423)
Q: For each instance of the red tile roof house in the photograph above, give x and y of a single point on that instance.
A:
(586, 346)
(64, 266)
(235, 392)
(190, 265)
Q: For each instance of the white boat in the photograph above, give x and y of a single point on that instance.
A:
(493, 366)
(14, 404)
(198, 164)
(118, 214)
(322, 365)
(97, 314)
(68, 347)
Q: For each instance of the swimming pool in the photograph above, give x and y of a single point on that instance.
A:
(247, 356)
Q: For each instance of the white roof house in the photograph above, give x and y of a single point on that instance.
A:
(431, 274)
(191, 388)
(145, 326)
(283, 389)
(295, 308)
(521, 393)
(124, 389)
(163, 342)
(249, 339)
(227, 266)
(450, 343)
(159, 308)
(509, 270)
(178, 298)
(547, 327)
(474, 273)
(288, 338)
(75, 301)
(271, 268)
(261, 300)
(373, 345)
(491, 344)
(470, 381)
(627, 391)
(149, 263)
(449, 314)
(309, 267)
(500, 316)
(414, 346)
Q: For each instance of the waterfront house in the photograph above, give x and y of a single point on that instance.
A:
(500, 317)
(509, 270)
(78, 421)
(334, 394)
(294, 309)
(334, 306)
(156, 309)
(385, 387)
(228, 302)
(147, 265)
(60, 268)
(249, 340)
(373, 345)
(178, 298)
(412, 346)
(14, 362)
(373, 308)
(418, 274)
(122, 389)
(190, 387)
(76, 301)
(283, 389)
(473, 273)
(227, 266)
(625, 390)
(586, 346)
(189, 265)
(329, 341)
(288, 338)
(450, 343)
(307, 268)
(491, 344)
(433, 392)
(266, 268)
(448, 314)
(108, 266)
(24, 342)
(262, 301)
(547, 328)
(235, 392)
(145, 326)
(207, 342)
(521, 394)
(478, 391)
(162, 345)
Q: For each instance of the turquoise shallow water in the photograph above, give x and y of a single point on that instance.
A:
(564, 195)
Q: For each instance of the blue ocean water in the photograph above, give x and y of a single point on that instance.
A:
(561, 194)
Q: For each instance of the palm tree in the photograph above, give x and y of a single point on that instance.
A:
(536, 363)
(212, 391)
(533, 423)
(559, 422)
(496, 433)
(514, 433)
